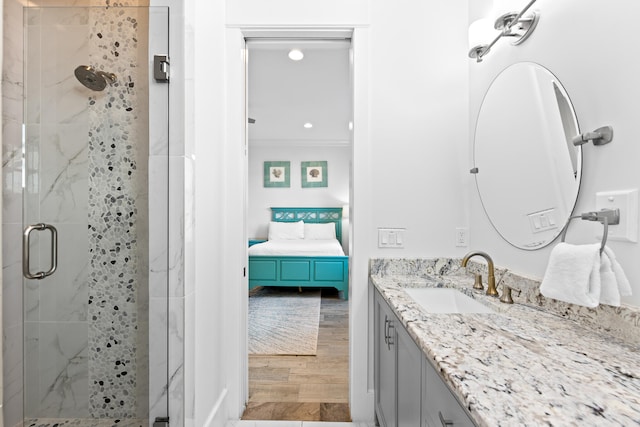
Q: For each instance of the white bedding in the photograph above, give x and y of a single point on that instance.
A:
(298, 247)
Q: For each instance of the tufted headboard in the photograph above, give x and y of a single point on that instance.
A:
(310, 215)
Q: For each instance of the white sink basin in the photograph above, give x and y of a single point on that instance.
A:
(446, 300)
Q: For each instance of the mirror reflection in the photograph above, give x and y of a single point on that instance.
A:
(528, 170)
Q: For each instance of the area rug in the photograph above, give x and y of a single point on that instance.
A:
(284, 321)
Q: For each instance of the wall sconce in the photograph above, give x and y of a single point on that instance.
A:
(517, 26)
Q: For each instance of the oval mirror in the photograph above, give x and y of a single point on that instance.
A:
(528, 170)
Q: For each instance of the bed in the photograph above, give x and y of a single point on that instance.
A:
(289, 258)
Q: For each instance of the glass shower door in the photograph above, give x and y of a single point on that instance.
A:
(95, 183)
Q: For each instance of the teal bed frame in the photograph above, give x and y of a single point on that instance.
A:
(303, 271)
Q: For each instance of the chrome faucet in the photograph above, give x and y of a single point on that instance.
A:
(491, 280)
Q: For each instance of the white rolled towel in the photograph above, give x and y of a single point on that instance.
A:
(609, 292)
(573, 274)
(624, 287)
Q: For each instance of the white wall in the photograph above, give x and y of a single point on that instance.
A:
(586, 44)
(261, 198)
(418, 108)
(216, 378)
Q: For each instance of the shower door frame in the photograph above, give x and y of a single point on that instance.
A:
(159, 216)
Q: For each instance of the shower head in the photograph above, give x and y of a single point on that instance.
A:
(93, 79)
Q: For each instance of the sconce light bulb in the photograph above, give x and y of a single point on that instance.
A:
(296, 54)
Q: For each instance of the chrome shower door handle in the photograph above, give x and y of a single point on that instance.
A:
(26, 252)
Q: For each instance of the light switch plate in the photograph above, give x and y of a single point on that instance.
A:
(543, 220)
(391, 237)
(627, 202)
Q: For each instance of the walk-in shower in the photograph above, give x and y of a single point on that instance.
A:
(90, 184)
(94, 79)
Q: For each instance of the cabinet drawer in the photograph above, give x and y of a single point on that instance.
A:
(439, 400)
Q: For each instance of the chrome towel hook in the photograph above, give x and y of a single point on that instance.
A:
(605, 216)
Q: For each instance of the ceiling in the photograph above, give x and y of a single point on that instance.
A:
(283, 94)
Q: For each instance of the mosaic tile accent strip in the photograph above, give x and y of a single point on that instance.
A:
(113, 217)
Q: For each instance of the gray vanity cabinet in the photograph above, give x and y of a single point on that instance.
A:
(408, 390)
(440, 406)
(384, 364)
(398, 370)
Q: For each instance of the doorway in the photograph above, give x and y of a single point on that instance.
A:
(300, 113)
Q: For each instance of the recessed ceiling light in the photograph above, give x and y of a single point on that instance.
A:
(296, 54)
(308, 125)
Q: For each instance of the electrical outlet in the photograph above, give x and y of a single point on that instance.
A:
(627, 202)
(462, 236)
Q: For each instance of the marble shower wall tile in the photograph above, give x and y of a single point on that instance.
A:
(31, 371)
(158, 220)
(64, 295)
(12, 287)
(64, 172)
(177, 112)
(30, 204)
(63, 369)
(13, 43)
(67, 16)
(12, 112)
(63, 99)
(189, 357)
(177, 226)
(177, 360)
(158, 363)
(33, 67)
(13, 369)
(11, 171)
(189, 226)
(56, 387)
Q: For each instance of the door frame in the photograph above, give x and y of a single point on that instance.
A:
(360, 333)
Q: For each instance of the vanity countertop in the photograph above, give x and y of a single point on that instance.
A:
(521, 366)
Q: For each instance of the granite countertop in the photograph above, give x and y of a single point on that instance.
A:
(521, 366)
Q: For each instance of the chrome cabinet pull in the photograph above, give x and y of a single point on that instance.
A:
(386, 330)
(445, 423)
(388, 338)
(26, 252)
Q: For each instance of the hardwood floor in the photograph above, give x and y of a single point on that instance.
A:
(306, 388)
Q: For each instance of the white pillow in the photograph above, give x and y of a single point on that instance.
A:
(286, 230)
(324, 231)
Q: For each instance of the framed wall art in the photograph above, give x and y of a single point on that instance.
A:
(314, 174)
(277, 174)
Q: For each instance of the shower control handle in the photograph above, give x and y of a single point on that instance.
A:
(26, 251)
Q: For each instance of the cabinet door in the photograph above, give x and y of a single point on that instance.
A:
(384, 363)
(440, 406)
(409, 380)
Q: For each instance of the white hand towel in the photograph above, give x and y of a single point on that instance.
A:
(573, 274)
(623, 283)
(609, 293)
